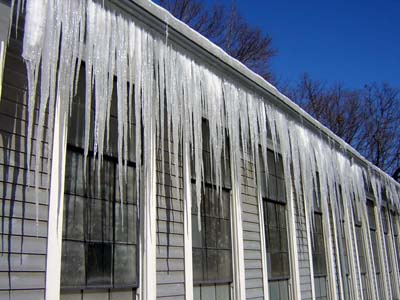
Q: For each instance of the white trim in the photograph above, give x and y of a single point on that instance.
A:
(187, 224)
(239, 289)
(148, 280)
(56, 202)
(310, 258)
(3, 50)
(261, 221)
(294, 254)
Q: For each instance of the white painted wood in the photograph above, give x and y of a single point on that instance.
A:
(263, 245)
(147, 280)
(239, 285)
(394, 254)
(56, 200)
(187, 206)
(294, 254)
(310, 258)
(4, 30)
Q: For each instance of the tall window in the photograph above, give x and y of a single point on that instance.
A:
(318, 252)
(374, 243)
(276, 231)
(99, 247)
(212, 246)
(343, 256)
(361, 257)
(385, 224)
(395, 218)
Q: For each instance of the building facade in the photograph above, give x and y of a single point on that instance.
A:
(140, 161)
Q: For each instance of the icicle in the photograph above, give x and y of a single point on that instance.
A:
(3, 49)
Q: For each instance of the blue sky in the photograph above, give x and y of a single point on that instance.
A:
(353, 42)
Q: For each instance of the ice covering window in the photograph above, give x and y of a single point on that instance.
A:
(212, 246)
(318, 250)
(99, 247)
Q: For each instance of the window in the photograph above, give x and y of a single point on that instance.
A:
(99, 235)
(388, 243)
(343, 256)
(318, 250)
(212, 246)
(361, 256)
(394, 219)
(276, 231)
(99, 246)
(374, 243)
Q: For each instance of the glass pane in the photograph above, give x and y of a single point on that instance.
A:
(222, 292)
(98, 264)
(124, 265)
(197, 235)
(271, 215)
(212, 264)
(276, 265)
(272, 188)
(198, 263)
(100, 220)
(225, 210)
(125, 229)
(74, 183)
(224, 235)
(196, 293)
(273, 290)
(224, 265)
(284, 289)
(101, 187)
(73, 264)
(271, 162)
(129, 186)
(211, 225)
(73, 217)
(208, 292)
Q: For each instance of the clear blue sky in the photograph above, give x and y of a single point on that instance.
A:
(353, 42)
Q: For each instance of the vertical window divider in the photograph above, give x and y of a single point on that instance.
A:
(56, 202)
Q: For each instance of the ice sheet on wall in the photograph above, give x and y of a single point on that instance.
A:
(162, 84)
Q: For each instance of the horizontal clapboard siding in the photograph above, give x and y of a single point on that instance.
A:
(251, 235)
(23, 239)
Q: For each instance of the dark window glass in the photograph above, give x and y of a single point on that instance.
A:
(275, 224)
(374, 243)
(211, 245)
(99, 232)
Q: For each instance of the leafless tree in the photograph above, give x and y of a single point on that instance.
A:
(228, 29)
(367, 119)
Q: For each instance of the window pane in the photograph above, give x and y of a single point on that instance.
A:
(74, 183)
(273, 289)
(212, 264)
(73, 217)
(224, 234)
(197, 239)
(100, 220)
(224, 265)
(211, 225)
(284, 289)
(98, 264)
(125, 229)
(73, 264)
(198, 263)
(222, 292)
(208, 292)
(124, 265)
